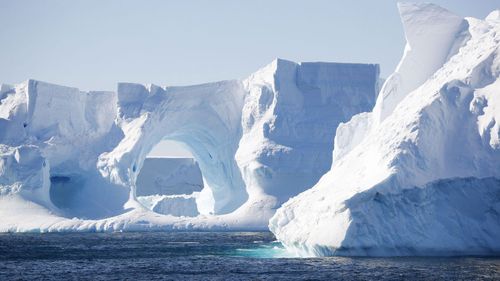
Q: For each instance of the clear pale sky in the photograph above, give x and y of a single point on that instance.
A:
(93, 44)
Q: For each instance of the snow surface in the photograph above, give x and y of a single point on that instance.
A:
(420, 174)
(70, 160)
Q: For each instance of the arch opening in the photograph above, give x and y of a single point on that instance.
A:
(205, 118)
(170, 182)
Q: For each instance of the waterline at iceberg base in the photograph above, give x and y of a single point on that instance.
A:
(319, 153)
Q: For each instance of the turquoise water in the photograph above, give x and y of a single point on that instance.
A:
(208, 256)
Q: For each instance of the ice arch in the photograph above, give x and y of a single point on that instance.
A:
(206, 118)
(258, 142)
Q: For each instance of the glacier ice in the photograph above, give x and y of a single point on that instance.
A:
(71, 160)
(419, 175)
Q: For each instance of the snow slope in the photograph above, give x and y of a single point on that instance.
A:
(70, 160)
(420, 174)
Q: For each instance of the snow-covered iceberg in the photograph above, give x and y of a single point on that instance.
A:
(70, 160)
(420, 175)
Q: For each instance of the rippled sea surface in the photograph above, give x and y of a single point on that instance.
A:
(208, 256)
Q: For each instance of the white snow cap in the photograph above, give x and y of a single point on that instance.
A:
(430, 33)
(494, 16)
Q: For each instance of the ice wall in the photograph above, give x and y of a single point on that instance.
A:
(257, 141)
(60, 132)
(432, 34)
(287, 119)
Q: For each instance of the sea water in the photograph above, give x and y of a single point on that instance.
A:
(208, 256)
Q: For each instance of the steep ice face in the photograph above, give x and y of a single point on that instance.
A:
(432, 34)
(257, 141)
(423, 179)
(286, 143)
(58, 133)
(23, 170)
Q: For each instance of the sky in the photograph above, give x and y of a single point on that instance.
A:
(93, 44)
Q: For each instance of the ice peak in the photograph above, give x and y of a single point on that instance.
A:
(280, 65)
(278, 61)
(431, 33)
(421, 19)
(494, 16)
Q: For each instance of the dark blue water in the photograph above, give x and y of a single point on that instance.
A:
(207, 256)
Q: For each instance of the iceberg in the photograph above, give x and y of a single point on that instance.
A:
(419, 175)
(72, 160)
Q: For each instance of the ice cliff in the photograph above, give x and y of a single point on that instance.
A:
(71, 160)
(420, 175)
